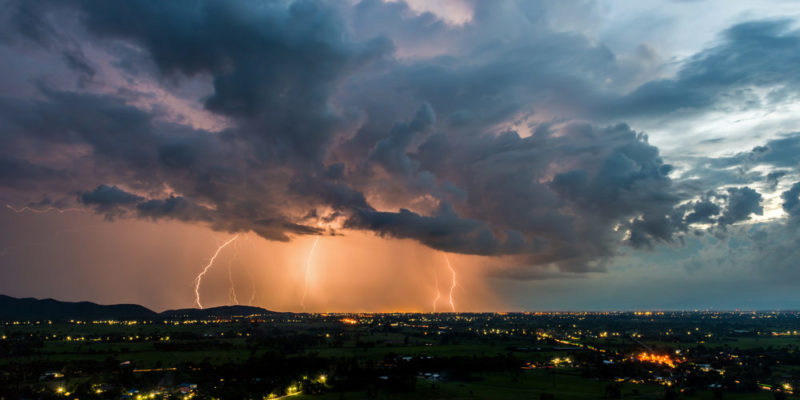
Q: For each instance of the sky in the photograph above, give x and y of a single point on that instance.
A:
(370, 155)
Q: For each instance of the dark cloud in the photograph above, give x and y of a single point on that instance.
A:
(337, 195)
(772, 178)
(631, 181)
(703, 212)
(512, 205)
(105, 196)
(444, 230)
(22, 174)
(27, 21)
(115, 131)
(109, 199)
(273, 64)
(390, 153)
(751, 54)
(779, 152)
(328, 123)
(171, 207)
(762, 167)
(742, 202)
(791, 200)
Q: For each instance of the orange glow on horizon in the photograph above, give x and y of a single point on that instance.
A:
(363, 272)
(157, 264)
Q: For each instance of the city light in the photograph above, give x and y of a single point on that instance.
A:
(657, 359)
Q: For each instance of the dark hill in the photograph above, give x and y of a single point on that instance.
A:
(30, 309)
(216, 312)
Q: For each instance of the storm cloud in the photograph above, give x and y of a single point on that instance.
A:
(504, 137)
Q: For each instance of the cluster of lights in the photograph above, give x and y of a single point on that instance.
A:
(570, 338)
(558, 361)
(787, 333)
(657, 359)
(147, 396)
(786, 388)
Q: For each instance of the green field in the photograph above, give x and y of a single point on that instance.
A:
(385, 361)
(563, 384)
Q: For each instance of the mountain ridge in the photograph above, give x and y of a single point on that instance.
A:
(33, 309)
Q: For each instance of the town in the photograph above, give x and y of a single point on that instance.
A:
(543, 355)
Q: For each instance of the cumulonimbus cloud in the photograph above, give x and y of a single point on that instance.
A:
(327, 129)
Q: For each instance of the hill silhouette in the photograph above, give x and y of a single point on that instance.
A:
(31, 309)
(12, 308)
(216, 312)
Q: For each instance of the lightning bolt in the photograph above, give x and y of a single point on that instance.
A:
(438, 292)
(41, 210)
(250, 275)
(453, 285)
(252, 287)
(210, 263)
(232, 293)
(50, 242)
(19, 210)
(308, 269)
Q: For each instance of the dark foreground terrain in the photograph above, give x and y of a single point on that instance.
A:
(672, 355)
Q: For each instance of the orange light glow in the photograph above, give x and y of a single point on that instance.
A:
(353, 271)
(348, 321)
(657, 359)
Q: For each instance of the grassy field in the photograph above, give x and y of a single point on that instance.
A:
(142, 354)
(562, 384)
(743, 343)
(147, 346)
